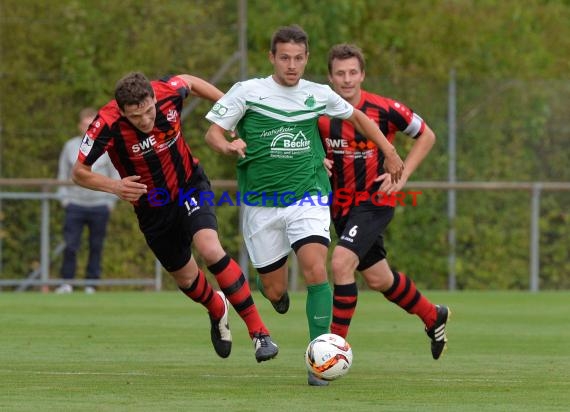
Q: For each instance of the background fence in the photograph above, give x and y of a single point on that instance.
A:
(41, 277)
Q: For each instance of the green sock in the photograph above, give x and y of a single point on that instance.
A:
(319, 309)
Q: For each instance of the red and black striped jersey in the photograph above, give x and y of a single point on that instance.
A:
(358, 161)
(162, 158)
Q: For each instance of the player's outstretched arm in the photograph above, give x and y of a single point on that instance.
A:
(127, 188)
(201, 88)
(216, 139)
(420, 149)
(393, 164)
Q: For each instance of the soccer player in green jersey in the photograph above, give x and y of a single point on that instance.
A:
(281, 177)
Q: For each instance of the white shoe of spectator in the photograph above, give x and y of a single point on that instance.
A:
(65, 288)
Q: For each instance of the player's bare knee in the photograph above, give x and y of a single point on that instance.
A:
(211, 253)
(343, 263)
(315, 274)
(184, 277)
(340, 270)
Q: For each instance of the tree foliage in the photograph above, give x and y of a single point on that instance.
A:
(511, 61)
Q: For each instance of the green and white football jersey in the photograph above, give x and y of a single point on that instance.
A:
(284, 156)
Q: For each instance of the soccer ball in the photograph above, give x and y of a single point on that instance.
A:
(328, 356)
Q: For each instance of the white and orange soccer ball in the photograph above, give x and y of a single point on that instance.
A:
(328, 356)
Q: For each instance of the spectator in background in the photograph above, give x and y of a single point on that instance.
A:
(83, 208)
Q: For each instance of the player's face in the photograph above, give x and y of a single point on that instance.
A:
(84, 123)
(289, 63)
(346, 77)
(142, 115)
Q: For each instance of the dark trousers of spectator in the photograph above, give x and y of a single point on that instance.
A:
(76, 218)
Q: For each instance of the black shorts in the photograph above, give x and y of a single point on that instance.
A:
(169, 229)
(362, 231)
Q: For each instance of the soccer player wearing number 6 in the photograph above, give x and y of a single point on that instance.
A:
(357, 166)
(141, 130)
(281, 160)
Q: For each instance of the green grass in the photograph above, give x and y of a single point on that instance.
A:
(144, 351)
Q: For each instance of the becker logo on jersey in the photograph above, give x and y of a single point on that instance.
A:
(287, 144)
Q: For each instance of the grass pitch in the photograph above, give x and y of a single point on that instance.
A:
(144, 351)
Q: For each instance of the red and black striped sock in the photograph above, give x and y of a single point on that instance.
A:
(404, 293)
(233, 283)
(344, 305)
(202, 292)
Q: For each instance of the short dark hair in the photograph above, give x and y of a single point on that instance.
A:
(346, 51)
(286, 34)
(133, 88)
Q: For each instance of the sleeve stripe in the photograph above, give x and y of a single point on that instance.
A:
(415, 127)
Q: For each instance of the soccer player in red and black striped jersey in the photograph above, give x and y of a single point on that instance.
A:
(141, 131)
(366, 205)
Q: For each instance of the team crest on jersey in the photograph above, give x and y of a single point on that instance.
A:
(310, 101)
(171, 115)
